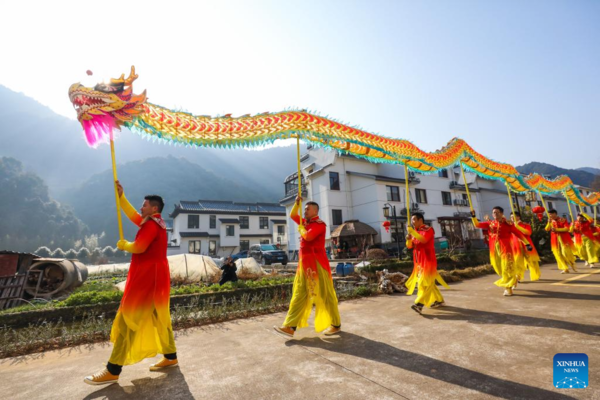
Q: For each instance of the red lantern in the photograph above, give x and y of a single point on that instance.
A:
(539, 211)
(386, 225)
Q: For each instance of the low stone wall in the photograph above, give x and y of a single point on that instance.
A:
(109, 310)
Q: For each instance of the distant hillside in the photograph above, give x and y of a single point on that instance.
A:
(595, 171)
(578, 177)
(172, 178)
(53, 147)
(29, 217)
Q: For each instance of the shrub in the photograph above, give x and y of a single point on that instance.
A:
(83, 254)
(43, 252)
(91, 297)
(108, 252)
(71, 254)
(58, 253)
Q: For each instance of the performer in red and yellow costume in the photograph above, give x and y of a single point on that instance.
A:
(142, 327)
(425, 274)
(313, 284)
(585, 242)
(560, 241)
(526, 259)
(502, 255)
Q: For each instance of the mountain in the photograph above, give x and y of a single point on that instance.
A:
(173, 178)
(578, 177)
(53, 147)
(595, 171)
(29, 217)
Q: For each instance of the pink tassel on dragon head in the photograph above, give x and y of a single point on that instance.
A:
(106, 107)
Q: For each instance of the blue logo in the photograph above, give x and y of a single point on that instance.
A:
(571, 371)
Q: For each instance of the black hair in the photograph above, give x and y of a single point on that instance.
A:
(499, 209)
(518, 214)
(552, 211)
(155, 201)
(312, 203)
(419, 215)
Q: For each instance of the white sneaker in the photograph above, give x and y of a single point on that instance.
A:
(508, 292)
(587, 264)
(564, 271)
(591, 265)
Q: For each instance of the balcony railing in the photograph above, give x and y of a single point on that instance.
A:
(461, 202)
(413, 209)
(462, 214)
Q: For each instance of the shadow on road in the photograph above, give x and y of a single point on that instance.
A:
(168, 385)
(359, 346)
(486, 317)
(558, 295)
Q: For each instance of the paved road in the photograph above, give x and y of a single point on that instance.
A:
(482, 345)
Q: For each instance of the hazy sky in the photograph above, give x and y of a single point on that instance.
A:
(518, 80)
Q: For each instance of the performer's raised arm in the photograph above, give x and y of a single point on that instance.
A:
(127, 208)
(295, 215)
(477, 223)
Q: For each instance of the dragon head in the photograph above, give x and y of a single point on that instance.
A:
(106, 107)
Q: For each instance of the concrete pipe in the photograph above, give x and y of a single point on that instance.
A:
(52, 278)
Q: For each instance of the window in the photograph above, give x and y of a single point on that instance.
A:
(393, 193)
(265, 241)
(280, 229)
(244, 223)
(336, 217)
(446, 198)
(194, 246)
(334, 181)
(212, 248)
(465, 197)
(421, 196)
(585, 209)
(230, 230)
(264, 222)
(213, 222)
(193, 221)
(550, 205)
(443, 173)
(244, 245)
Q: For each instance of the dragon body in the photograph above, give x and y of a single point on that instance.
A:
(110, 106)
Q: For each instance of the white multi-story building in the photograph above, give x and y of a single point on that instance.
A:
(349, 188)
(222, 228)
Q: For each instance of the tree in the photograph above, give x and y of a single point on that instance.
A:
(58, 253)
(43, 251)
(71, 254)
(83, 254)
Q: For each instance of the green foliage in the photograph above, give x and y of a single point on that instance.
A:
(201, 288)
(91, 297)
(29, 218)
(43, 252)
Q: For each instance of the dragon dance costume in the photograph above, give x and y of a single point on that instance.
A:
(502, 255)
(561, 243)
(142, 327)
(525, 259)
(425, 272)
(586, 243)
(313, 284)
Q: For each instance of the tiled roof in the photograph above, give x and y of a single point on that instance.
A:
(226, 207)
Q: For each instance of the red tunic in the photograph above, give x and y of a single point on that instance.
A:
(312, 243)
(424, 252)
(563, 225)
(586, 229)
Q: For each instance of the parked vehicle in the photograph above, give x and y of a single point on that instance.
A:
(268, 254)
(241, 254)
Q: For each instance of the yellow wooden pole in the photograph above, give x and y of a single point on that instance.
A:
(512, 206)
(466, 187)
(299, 176)
(114, 167)
(544, 204)
(569, 205)
(407, 195)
